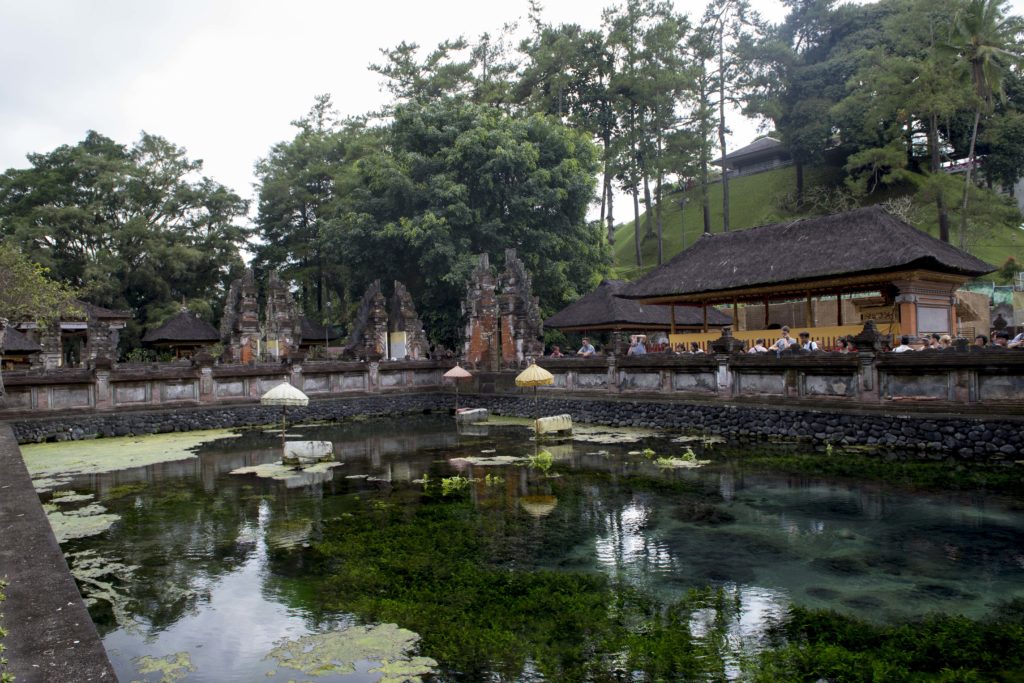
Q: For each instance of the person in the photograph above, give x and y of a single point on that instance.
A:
(904, 345)
(556, 352)
(806, 343)
(636, 345)
(945, 342)
(681, 349)
(587, 349)
(758, 347)
(1016, 342)
(1001, 339)
(785, 341)
(844, 345)
(981, 341)
(695, 348)
(935, 341)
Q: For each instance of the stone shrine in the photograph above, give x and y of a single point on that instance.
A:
(240, 329)
(504, 327)
(384, 329)
(404, 321)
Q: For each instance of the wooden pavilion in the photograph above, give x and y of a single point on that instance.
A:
(912, 275)
(603, 310)
(184, 334)
(315, 334)
(17, 351)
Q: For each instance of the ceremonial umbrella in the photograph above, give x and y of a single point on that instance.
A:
(455, 374)
(534, 376)
(284, 395)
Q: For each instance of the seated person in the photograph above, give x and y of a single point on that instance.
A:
(758, 347)
(636, 345)
(904, 345)
(1001, 339)
(587, 349)
(785, 341)
(1016, 342)
(981, 341)
(556, 352)
(695, 348)
(945, 342)
(845, 345)
(806, 343)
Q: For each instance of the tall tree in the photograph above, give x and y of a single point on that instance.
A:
(989, 42)
(130, 226)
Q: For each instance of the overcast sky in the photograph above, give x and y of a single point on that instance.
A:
(224, 78)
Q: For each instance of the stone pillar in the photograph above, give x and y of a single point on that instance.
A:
(296, 375)
(204, 361)
(868, 390)
(723, 376)
(49, 341)
(373, 376)
(3, 334)
(613, 374)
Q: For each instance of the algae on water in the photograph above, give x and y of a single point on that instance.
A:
(611, 435)
(172, 668)
(53, 464)
(337, 652)
(87, 521)
(96, 576)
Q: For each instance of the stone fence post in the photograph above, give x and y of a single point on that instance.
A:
(613, 375)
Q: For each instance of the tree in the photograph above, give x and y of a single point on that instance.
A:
(130, 226)
(28, 293)
(989, 42)
(299, 182)
(453, 179)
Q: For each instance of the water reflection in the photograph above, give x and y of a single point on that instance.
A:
(219, 565)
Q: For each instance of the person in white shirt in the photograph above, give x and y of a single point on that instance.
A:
(1017, 341)
(806, 343)
(758, 347)
(785, 341)
(586, 350)
(904, 345)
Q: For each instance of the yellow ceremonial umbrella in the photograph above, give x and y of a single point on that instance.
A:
(455, 374)
(534, 376)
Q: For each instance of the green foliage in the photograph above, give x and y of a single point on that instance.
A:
(542, 461)
(128, 225)
(647, 453)
(27, 293)
(494, 480)
(453, 485)
(811, 645)
(5, 676)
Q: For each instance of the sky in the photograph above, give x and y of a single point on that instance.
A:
(224, 78)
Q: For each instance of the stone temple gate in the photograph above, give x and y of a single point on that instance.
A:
(503, 321)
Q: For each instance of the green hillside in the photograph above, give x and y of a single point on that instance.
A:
(756, 200)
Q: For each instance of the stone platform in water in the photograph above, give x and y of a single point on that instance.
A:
(554, 423)
(302, 452)
(472, 415)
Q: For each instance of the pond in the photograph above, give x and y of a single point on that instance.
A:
(431, 553)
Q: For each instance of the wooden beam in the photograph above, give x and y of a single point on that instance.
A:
(705, 308)
(672, 325)
(767, 321)
(808, 311)
(839, 309)
(735, 315)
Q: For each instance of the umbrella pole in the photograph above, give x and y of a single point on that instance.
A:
(284, 426)
(456, 396)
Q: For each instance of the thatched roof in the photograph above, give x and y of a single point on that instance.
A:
(16, 342)
(766, 146)
(862, 241)
(314, 331)
(602, 309)
(94, 312)
(184, 327)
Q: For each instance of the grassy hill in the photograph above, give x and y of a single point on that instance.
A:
(756, 200)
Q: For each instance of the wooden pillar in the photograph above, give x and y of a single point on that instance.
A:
(735, 315)
(672, 323)
(704, 306)
(767, 320)
(808, 312)
(839, 309)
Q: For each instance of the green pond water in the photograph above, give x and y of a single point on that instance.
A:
(605, 566)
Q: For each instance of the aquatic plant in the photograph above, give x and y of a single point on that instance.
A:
(493, 480)
(173, 667)
(542, 461)
(648, 453)
(828, 449)
(87, 521)
(96, 576)
(337, 652)
(450, 485)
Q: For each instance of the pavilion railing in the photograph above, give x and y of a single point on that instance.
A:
(826, 337)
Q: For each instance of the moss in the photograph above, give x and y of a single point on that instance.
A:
(123, 491)
(81, 523)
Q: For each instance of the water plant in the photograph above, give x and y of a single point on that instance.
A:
(171, 668)
(542, 461)
(451, 485)
(828, 449)
(648, 453)
(493, 480)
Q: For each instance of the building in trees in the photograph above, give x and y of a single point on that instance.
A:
(910, 276)
(76, 339)
(17, 350)
(183, 335)
(762, 154)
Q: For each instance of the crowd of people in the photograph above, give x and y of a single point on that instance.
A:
(638, 344)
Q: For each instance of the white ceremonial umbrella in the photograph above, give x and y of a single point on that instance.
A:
(284, 395)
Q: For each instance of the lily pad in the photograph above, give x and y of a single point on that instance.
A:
(491, 461)
(337, 652)
(611, 435)
(405, 670)
(699, 438)
(681, 463)
(67, 497)
(276, 470)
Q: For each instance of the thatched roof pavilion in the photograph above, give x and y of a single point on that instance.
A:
(863, 250)
(17, 349)
(184, 333)
(601, 309)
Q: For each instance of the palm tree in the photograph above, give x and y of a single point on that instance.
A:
(989, 42)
